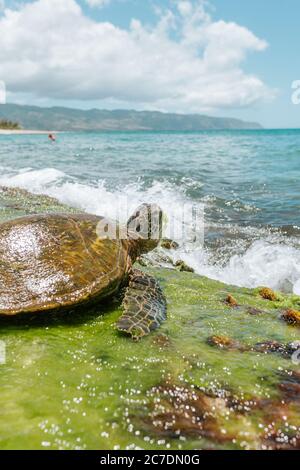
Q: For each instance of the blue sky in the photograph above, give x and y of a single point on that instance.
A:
(244, 71)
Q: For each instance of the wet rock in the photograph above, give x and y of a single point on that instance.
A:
(275, 347)
(268, 294)
(143, 262)
(242, 406)
(290, 387)
(292, 317)
(162, 341)
(269, 347)
(156, 259)
(224, 342)
(230, 300)
(293, 347)
(265, 347)
(183, 267)
(279, 440)
(164, 259)
(16, 202)
(254, 311)
(279, 413)
(277, 434)
(183, 412)
(169, 244)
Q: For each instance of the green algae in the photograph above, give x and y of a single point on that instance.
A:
(17, 203)
(71, 381)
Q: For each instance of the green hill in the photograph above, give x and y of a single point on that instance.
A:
(67, 119)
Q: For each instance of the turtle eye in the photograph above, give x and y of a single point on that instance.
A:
(138, 228)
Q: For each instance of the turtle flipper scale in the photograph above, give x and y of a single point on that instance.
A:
(144, 304)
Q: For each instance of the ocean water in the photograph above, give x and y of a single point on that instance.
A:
(247, 182)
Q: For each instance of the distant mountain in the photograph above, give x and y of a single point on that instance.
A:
(67, 119)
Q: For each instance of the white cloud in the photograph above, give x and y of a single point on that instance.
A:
(186, 62)
(97, 3)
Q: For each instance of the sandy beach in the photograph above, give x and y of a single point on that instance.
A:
(25, 132)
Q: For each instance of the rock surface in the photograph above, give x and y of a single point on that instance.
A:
(73, 382)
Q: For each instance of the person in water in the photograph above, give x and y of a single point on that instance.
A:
(52, 137)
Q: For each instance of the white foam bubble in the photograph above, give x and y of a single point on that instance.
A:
(296, 287)
(33, 180)
(263, 264)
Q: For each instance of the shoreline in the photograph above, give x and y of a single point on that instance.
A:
(25, 132)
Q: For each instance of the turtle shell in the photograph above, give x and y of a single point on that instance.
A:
(48, 262)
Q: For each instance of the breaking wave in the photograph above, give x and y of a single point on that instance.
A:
(243, 256)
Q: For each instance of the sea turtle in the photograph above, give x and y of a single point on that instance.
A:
(53, 262)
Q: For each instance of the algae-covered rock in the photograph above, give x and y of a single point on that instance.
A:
(183, 267)
(18, 202)
(75, 372)
(71, 381)
(268, 294)
(224, 342)
(292, 316)
(230, 300)
(168, 244)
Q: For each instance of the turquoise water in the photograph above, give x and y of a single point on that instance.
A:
(248, 182)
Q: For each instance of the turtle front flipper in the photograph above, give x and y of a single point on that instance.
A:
(144, 304)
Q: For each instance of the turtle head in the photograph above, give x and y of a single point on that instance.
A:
(145, 228)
